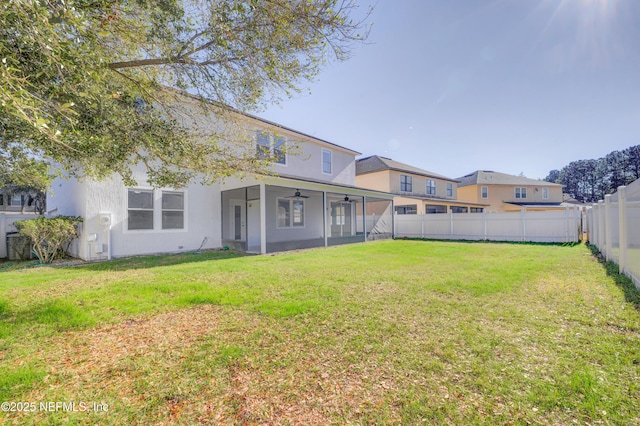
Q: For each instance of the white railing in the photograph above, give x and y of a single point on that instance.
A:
(559, 226)
(614, 228)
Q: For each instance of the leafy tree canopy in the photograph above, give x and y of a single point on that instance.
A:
(591, 180)
(94, 84)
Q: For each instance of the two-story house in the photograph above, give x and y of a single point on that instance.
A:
(310, 200)
(416, 191)
(505, 193)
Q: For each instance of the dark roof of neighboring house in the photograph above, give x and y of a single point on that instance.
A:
(487, 177)
(375, 163)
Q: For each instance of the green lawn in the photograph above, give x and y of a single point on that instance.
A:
(407, 332)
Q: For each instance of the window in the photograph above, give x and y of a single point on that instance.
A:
(476, 209)
(172, 210)
(521, 192)
(411, 209)
(458, 209)
(449, 190)
(431, 187)
(263, 146)
(279, 151)
(290, 213)
(545, 193)
(433, 209)
(326, 161)
(140, 209)
(271, 146)
(405, 183)
(484, 192)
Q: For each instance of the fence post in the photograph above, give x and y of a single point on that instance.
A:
(422, 225)
(601, 230)
(450, 224)
(622, 228)
(524, 225)
(484, 220)
(607, 227)
(3, 235)
(566, 224)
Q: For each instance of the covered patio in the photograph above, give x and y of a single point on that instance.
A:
(278, 214)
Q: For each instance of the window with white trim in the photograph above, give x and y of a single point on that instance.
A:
(271, 146)
(521, 193)
(172, 210)
(290, 213)
(326, 162)
(545, 193)
(139, 209)
(431, 187)
(484, 192)
(406, 183)
(449, 189)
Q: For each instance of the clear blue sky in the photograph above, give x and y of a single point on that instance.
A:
(506, 85)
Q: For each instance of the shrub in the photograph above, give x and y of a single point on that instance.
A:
(50, 236)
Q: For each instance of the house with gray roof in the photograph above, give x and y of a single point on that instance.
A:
(416, 190)
(503, 192)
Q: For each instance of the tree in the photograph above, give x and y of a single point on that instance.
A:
(553, 176)
(98, 86)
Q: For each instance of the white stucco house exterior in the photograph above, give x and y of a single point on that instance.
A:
(310, 201)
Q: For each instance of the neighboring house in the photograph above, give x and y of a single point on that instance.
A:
(505, 193)
(312, 202)
(416, 191)
(21, 201)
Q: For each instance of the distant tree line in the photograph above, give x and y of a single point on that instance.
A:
(590, 180)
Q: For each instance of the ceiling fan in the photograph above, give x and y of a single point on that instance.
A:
(297, 195)
(348, 200)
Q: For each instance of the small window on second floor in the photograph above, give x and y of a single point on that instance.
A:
(271, 146)
(326, 162)
(485, 192)
(431, 187)
(406, 183)
(449, 190)
(521, 192)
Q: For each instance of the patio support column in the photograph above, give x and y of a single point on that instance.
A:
(263, 218)
(364, 217)
(324, 217)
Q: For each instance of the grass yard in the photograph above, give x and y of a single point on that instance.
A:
(391, 332)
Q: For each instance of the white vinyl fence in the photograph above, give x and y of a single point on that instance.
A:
(560, 226)
(614, 227)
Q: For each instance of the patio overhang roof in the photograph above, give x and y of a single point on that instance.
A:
(309, 184)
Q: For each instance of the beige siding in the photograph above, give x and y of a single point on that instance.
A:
(379, 181)
(500, 194)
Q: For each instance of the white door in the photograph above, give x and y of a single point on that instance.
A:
(253, 228)
(237, 220)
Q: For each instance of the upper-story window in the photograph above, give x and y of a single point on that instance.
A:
(431, 187)
(326, 162)
(545, 193)
(268, 145)
(449, 190)
(484, 192)
(406, 184)
(521, 192)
